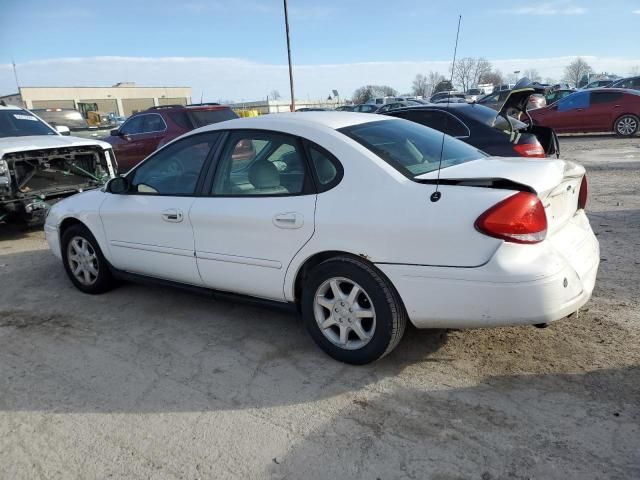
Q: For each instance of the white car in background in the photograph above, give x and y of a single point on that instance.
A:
(335, 213)
(40, 164)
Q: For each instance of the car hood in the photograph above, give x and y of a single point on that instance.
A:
(38, 142)
(538, 174)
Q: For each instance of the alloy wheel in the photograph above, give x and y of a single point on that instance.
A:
(627, 126)
(83, 260)
(344, 313)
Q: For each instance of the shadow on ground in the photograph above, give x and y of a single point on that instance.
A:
(582, 426)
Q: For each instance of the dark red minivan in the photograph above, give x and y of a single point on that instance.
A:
(146, 131)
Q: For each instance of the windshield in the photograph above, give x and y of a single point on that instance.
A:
(207, 117)
(411, 148)
(20, 123)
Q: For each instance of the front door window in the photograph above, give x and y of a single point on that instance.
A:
(175, 169)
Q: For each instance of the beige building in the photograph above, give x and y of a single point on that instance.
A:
(123, 98)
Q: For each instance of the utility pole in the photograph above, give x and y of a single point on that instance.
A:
(15, 74)
(286, 24)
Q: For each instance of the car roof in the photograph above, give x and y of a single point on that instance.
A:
(329, 119)
(614, 89)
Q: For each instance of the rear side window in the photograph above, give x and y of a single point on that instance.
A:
(605, 97)
(181, 119)
(207, 117)
(327, 168)
(411, 148)
(153, 123)
(256, 163)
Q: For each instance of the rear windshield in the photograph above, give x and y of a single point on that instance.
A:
(488, 116)
(20, 123)
(411, 148)
(207, 117)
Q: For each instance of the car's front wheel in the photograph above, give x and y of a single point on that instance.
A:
(83, 261)
(626, 125)
(351, 311)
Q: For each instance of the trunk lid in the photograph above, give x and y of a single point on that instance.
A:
(556, 182)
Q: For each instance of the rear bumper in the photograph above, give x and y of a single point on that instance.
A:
(521, 284)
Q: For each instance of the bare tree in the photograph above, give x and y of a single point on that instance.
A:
(362, 94)
(463, 72)
(576, 70)
(635, 71)
(275, 95)
(468, 71)
(494, 78)
(483, 67)
(433, 79)
(532, 74)
(550, 81)
(420, 86)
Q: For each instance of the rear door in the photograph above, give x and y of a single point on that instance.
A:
(257, 214)
(605, 108)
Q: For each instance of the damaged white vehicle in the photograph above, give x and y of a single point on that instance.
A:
(39, 165)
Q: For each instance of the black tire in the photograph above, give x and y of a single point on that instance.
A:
(626, 126)
(104, 280)
(390, 315)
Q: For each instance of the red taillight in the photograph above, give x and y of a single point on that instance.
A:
(518, 219)
(582, 195)
(534, 150)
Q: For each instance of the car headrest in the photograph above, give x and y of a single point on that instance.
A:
(264, 174)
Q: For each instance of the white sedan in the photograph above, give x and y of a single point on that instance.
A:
(337, 215)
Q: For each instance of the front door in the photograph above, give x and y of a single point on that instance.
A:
(138, 138)
(148, 228)
(258, 214)
(571, 114)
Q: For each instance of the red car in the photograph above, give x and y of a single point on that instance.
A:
(598, 110)
(146, 131)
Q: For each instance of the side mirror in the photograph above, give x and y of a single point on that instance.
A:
(115, 132)
(118, 185)
(62, 130)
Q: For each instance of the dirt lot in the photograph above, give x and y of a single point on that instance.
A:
(148, 382)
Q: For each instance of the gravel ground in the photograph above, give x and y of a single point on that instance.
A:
(149, 382)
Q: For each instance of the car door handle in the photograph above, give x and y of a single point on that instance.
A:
(172, 215)
(616, 106)
(288, 220)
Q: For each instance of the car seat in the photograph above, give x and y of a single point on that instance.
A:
(265, 178)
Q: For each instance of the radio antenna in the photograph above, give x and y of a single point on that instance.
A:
(435, 196)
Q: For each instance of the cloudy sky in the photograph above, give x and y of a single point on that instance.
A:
(228, 49)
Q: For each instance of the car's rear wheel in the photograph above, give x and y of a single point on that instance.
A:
(626, 125)
(351, 311)
(83, 261)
